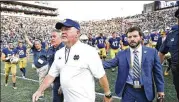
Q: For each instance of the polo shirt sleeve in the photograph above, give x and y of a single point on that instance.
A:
(95, 64)
(54, 72)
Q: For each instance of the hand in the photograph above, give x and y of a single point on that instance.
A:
(160, 94)
(59, 91)
(105, 99)
(7, 58)
(36, 96)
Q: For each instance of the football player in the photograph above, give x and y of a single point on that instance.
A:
(124, 42)
(114, 45)
(154, 38)
(22, 50)
(147, 39)
(7, 55)
(101, 44)
(91, 40)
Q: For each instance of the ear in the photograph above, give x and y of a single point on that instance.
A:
(78, 34)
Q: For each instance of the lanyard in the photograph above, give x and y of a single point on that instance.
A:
(39, 54)
(67, 52)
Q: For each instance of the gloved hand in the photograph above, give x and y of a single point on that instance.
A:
(7, 58)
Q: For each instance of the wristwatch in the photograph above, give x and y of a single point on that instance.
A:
(108, 95)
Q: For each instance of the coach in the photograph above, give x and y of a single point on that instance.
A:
(77, 69)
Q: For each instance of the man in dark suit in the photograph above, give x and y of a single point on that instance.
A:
(167, 56)
(171, 45)
(138, 68)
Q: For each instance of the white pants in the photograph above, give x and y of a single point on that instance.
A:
(42, 72)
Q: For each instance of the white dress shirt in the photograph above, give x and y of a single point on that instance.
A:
(139, 53)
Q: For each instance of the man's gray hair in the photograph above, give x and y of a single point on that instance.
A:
(57, 31)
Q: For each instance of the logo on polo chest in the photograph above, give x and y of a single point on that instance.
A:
(76, 57)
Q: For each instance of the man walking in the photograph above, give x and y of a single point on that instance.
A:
(77, 68)
(171, 45)
(137, 66)
(57, 44)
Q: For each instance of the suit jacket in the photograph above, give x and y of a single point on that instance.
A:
(151, 71)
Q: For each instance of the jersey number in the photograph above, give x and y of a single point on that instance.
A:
(115, 43)
(21, 52)
(101, 41)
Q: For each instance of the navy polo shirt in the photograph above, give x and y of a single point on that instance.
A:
(171, 45)
(42, 54)
(51, 53)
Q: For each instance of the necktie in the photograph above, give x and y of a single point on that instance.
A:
(136, 67)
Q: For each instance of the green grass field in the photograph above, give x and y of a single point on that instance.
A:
(25, 88)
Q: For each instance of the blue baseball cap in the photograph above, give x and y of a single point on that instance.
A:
(67, 23)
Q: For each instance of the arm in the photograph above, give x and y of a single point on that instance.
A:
(158, 74)
(16, 53)
(27, 52)
(157, 45)
(28, 41)
(162, 56)
(163, 50)
(105, 85)
(97, 70)
(111, 63)
(150, 42)
(52, 74)
(3, 57)
(45, 84)
(121, 44)
(107, 44)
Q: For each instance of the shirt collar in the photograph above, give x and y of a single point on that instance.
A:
(59, 46)
(139, 49)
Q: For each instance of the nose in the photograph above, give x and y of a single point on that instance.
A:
(132, 38)
(52, 38)
(63, 31)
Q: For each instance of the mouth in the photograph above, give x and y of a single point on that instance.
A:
(132, 43)
(64, 36)
(52, 41)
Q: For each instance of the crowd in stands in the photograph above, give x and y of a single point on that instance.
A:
(147, 21)
(14, 27)
(27, 8)
(40, 28)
